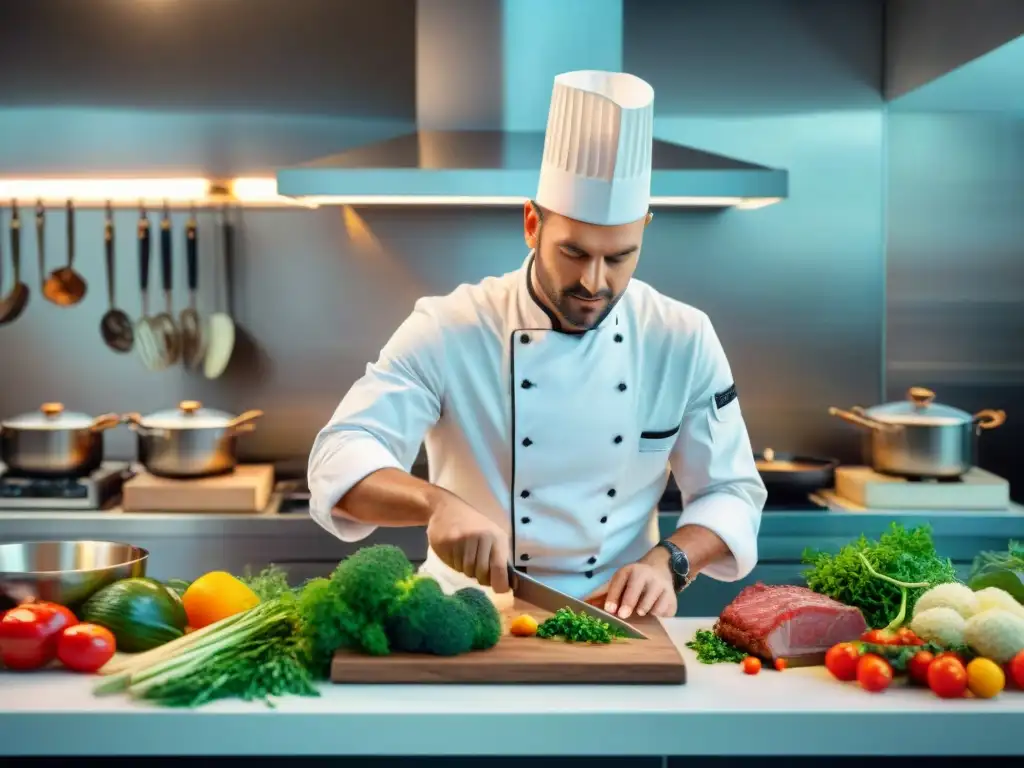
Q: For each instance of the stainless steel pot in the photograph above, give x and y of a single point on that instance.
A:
(52, 442)
(919, 438)
(191, 441)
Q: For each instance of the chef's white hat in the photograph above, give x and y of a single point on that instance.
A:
(597, 149)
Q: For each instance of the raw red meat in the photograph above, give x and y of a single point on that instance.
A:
(787, 622)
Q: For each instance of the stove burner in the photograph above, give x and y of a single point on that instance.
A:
(14, 487)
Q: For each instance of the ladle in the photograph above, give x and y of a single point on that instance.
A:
(115, 326)
(14, 303)
(64, 286)
(163, 323)
(193, 349)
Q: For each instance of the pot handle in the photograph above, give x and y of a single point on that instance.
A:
(989, 419)
(104, 422)
(243, 422)
(861, 420)
(134, 421)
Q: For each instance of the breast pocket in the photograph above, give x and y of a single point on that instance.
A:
(656, 441)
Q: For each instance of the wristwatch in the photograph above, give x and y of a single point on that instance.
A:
(679, 564)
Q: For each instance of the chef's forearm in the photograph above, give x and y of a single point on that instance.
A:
(390, 498)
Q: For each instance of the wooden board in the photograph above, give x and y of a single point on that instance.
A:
(655, 661)
(977, 489)
(247, 489)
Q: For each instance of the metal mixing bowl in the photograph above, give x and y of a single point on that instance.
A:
(64, 572)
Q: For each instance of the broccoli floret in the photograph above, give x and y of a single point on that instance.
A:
(412, 614)
(486, 619)
(369, 580)
(425, 620)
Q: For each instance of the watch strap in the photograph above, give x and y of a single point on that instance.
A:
(679, 565)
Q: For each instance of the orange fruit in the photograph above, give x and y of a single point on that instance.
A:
(215, 596)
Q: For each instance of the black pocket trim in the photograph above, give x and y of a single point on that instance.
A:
(659, 435)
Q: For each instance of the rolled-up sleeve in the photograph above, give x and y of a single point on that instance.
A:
(713, 462)
(381, 422)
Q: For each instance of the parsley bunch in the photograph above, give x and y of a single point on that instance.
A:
(711, 649)
(899, 554)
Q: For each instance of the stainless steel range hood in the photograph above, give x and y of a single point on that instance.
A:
(472, 168)
(466, 65)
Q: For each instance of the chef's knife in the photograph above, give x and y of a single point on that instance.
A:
(544, 597)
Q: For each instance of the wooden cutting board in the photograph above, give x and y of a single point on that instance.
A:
(655, 660)
(247, 489)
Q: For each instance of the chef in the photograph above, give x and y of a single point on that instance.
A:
(553, 400)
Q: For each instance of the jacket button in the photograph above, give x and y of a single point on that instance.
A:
(527, 442)
(589, 574)
(622, 387)
(525, 520)
(524, 558)
(618, 439)
(592, 560)
(525, 338)
(611, 493)
(524, 494)
(527, 384)
(604, 519)
(618, 338)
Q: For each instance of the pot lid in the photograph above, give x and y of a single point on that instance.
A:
(50, 416)
(919, 409)
(189, 414)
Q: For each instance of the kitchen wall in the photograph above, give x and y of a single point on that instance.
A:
(796, 289)
(956, 268)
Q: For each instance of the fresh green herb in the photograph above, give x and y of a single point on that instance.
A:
(904, 588)
(906, 556)
(578, 628)
(253, 655)
(269, 583)
(711, 649)
(899, 656)
(1004, 570)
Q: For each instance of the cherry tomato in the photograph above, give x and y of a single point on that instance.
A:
(906, 636)
(880, 637)
(841, 660)
(1016, 670)
(85, 647)
(952, 655)
(751, 665)
(28, 635)
(780, 664)
(947, 677)
(918, 666)
(873, 673)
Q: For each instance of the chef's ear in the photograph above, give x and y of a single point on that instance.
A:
(531, 223)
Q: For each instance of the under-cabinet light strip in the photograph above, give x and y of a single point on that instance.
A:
(262, 192)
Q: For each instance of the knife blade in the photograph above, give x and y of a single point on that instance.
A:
(544, 597)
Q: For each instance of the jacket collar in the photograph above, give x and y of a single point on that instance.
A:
(534, 314)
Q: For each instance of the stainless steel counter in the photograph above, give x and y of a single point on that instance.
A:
(185, 545)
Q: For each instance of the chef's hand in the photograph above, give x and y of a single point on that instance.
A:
(644, 586)
(469, 543)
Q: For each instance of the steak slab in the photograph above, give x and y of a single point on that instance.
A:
(788, 622)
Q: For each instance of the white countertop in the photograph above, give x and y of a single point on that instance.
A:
(719, 711)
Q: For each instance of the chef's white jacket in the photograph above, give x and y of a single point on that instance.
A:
(563, 439)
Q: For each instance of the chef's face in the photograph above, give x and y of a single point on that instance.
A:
(582, 269)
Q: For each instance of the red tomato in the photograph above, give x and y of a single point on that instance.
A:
(1016, 666)
(873, 673)
(947, 677)
(28, 635)
(841, 660)
(880, 637)
(918, 666)
(906, 636)
(952, 655)
(85, 647)
(751, 665)
(780, 664)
